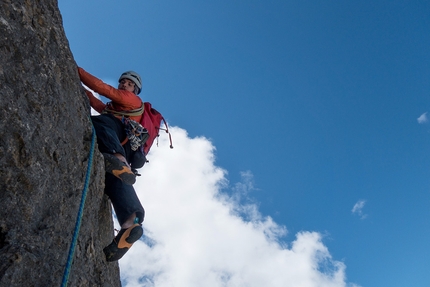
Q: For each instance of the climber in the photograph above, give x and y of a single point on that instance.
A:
(121, 150)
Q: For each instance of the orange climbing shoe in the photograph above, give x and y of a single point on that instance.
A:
(121, 170)
(123, 242)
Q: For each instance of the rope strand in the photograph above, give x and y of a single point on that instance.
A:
(80, 213)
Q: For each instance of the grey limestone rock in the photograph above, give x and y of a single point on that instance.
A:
(45, 139)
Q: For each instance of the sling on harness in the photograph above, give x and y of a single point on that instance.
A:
(129, 113)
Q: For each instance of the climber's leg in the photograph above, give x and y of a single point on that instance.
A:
(116, 165)
(130, 214)
(124, 200)
(110, 133)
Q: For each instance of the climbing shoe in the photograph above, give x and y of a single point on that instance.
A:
(122, 242)
(121, 170)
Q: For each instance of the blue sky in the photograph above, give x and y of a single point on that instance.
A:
(311, 109)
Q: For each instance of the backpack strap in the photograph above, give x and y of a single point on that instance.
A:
(167, 131)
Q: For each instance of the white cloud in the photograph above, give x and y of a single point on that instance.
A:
(358, 209)
(423, 118)
(93, 111)
(197, 235)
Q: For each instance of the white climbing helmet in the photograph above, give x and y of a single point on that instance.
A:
(132, 76)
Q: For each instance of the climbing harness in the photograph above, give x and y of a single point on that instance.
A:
(80, 212)
(150, 121)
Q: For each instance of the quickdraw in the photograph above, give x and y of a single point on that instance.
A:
(136, 133)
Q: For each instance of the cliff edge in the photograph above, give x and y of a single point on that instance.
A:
(45, 140)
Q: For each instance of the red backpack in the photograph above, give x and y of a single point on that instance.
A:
(151, 120)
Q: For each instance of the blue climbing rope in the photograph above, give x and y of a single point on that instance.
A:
(80, 213)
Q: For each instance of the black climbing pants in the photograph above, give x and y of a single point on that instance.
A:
(110, 133)
(124, 199)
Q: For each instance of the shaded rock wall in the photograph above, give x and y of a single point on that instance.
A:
(45, 137)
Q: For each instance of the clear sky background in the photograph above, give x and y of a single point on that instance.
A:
(302, 143)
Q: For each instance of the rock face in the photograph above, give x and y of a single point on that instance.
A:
(45, 139)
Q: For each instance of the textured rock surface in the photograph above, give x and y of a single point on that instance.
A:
(45, 137)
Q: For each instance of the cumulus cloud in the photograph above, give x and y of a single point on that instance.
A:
(423, 118)
(196, 234)
(358, 209)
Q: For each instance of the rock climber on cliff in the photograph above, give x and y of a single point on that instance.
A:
(120, 149)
